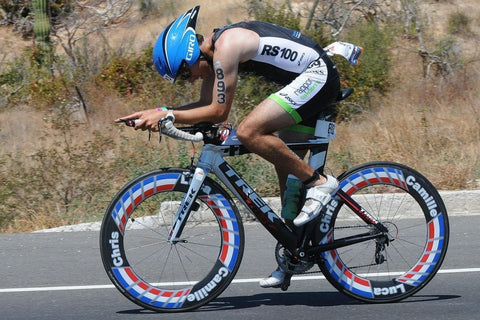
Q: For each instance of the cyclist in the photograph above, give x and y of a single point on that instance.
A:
(311, 84)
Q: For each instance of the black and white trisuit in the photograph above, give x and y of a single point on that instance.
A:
(288, 57)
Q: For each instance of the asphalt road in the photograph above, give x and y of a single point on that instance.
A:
(59, 275)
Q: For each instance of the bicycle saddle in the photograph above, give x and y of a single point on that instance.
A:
(344, 93)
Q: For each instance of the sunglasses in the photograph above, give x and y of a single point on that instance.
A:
(185, 72)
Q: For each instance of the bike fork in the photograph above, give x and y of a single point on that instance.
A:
(186, 205)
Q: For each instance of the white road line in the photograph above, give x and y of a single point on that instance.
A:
(251, 280)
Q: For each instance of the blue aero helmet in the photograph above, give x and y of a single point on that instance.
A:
(177, 44)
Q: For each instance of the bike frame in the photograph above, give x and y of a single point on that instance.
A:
(212, 160)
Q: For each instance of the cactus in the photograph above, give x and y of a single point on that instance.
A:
(43, 53)
(41, 27)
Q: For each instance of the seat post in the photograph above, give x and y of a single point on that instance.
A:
(318, 156)
(324, 131)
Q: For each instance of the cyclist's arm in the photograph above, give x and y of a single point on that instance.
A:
(205, 95)
(204, 110)
(231, 48)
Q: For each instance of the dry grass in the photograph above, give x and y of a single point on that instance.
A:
(142, 32)
(431, 125)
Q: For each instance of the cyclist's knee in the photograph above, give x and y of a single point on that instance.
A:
(244, 133)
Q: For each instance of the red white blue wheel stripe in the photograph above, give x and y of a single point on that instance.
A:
(373, 176)
(230, 233)
(147, 293)
(138, 193)
(430, 257)
(343, 275)
(428, 260)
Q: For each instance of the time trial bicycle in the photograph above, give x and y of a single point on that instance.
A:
(172, 239)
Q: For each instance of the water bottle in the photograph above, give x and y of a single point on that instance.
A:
(292, 201)
(347, 50)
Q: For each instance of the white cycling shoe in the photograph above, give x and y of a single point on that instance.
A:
(316, 198)
(274, 280)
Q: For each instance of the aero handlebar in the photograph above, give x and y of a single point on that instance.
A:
(168, 128)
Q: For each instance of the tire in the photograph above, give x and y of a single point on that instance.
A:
(159, 275)
(415, 215)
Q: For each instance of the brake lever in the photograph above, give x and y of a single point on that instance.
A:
(133, 122)
(160, 125)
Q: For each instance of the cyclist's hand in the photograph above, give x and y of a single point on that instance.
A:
(145, 120)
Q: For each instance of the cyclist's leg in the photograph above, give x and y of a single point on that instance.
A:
(303, 99)
(256, 133)
(288, 135)
(276, 278)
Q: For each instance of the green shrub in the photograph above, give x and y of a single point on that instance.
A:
(68, 183)
(13, 11)
(7, 193)
(372, 73)
(265, 11)
(47, 91)
(458, 23)
(12, 74)
(24, 80)
(128, 74)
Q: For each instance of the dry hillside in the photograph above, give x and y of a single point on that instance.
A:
(448, 110)
(431, 124)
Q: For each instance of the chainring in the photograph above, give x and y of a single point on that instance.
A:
(288, 263)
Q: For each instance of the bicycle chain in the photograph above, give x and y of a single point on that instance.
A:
(319, 271)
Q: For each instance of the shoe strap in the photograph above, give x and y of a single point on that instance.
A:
(314, 177)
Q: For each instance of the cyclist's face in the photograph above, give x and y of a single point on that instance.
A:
(185, 71)
(200, 69)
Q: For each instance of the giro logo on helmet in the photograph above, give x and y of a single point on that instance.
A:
(191, 47)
